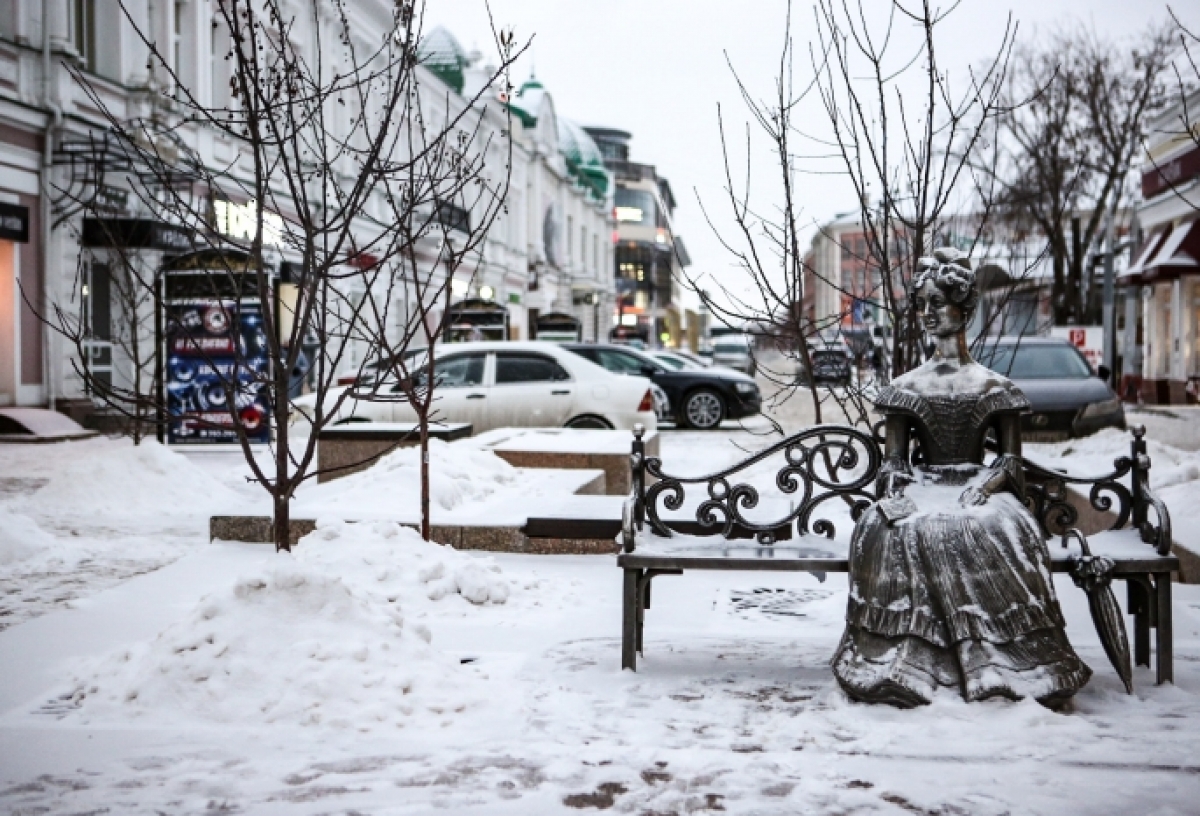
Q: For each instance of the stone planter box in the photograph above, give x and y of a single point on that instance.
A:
(350, 448)
(570, 449)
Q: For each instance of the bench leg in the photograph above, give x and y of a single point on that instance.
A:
(644, 600)
(1139, 607)
(1164, 635)
(631, 614)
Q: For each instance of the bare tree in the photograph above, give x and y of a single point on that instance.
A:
(906, 155)
(903, 136)
(321, 169)
(766, 247)
(1078, 109)
(461, 186)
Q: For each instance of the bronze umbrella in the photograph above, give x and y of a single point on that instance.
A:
(1093, 574)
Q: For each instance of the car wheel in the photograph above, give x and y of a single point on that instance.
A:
(590, 423)
(703, 410)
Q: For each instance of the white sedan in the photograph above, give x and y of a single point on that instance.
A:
(506, 385)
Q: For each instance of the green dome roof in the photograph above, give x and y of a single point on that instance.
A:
(583, 158)
(442, 54)
(526, 104)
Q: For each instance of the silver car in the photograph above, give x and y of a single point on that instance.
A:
(734, 351)
(494, 384)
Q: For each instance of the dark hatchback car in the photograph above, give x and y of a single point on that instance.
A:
(700, 397)
(831, 365)
(1067, 398)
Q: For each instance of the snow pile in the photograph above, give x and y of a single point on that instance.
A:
(1095, 454)
(116, 477)
(390, 562)
(458, 475)
(285, 644)
(21, 539)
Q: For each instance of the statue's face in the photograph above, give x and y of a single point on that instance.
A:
(937, 314)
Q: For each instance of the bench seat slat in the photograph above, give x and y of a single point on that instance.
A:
(818, 554)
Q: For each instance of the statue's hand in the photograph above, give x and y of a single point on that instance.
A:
(895, 483)
(973, 497)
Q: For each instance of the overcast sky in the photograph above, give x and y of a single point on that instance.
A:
(657, 68)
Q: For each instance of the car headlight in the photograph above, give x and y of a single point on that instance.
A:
(745, 388)
(1099, 409)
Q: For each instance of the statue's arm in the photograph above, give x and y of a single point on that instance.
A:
(895, 472)
(1006, 473)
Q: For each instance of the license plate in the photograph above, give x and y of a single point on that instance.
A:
(1044, 437)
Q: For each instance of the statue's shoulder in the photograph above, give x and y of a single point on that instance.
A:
(907, 392)
(972, 382)
(922, 381)
(1001, 393)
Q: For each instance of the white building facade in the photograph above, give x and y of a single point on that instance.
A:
(550, 251)
(1161, 325)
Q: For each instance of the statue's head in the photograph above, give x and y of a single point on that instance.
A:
(944, 292)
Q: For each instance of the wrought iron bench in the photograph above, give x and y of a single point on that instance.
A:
(830, 468)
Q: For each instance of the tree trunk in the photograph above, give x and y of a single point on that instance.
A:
(1075, 279)
(281, 525)
(423, 421)
(1058, 289)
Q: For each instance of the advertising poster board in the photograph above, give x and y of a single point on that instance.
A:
(210, 344)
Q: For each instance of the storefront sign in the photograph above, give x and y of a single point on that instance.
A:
(134, 233)
(1171, 174)
(14, 223)
(239, 221)
(215, 350)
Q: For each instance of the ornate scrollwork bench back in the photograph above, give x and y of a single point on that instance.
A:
(820, 464)
(1047, 496)
(825, 463)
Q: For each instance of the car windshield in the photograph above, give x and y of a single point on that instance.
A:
(1036, 362)
(731, 347)
(627, 361)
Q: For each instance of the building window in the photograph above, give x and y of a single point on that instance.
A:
(8, 19)
(219, 62)
(83, 31)
(177, 40)
(635, 206)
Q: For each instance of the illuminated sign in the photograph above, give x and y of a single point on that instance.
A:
(633, 214)
(238, 221)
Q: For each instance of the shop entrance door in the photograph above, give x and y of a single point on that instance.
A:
(10, 308)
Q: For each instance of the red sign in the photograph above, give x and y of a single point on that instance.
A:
(1170, 174)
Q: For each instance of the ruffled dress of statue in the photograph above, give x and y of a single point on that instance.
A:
(954, 596)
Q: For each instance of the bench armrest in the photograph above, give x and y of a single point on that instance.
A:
(1124, 492)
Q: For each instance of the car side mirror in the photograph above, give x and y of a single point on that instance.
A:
(1103, 372)
(649, 371)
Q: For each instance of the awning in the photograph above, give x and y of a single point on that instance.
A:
(1169, 254)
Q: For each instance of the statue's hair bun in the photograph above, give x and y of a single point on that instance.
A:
(950, 269)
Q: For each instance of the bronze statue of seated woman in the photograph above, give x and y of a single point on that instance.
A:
(949, 574)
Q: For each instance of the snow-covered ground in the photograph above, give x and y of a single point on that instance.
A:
(79, 517)
(370, 672)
